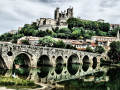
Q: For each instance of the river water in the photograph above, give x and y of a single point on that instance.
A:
(71, 77)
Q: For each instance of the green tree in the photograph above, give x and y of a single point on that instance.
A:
(99, 49)
(89, 49)
(76, 34)
(55, 30)
(61, 35)
(87, 36)
(47, 41)
(72, 22)
(92, 25)
(95, 25)
(16, 37)
(60, 44)
(100, 33)
(114, 32)
(114, 52)
(68, 46)
(66, 31)
(26, 42)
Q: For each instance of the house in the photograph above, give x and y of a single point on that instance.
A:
(13, 31)
(81, 45)
(32, 40)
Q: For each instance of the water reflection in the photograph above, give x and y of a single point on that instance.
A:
(85, 66)
(94, 65)
(22, 73)
(72, 77)
(43, 71)
(59, 68)
(3, 72)
(73, 68)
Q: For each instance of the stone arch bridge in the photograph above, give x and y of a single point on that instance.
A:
(48, 55)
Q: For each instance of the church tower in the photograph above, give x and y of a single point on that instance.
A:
(56, 14)
(70, 12)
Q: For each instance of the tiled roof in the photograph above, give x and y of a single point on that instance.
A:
(93, 44)
(78, 43)
(81, 49)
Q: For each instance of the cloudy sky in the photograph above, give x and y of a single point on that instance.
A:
(16, 13)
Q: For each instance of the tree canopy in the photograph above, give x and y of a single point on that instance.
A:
(114, 52)
(89, 49)
(47, 41)
(91, 25)
(99, 49)
(26, 42)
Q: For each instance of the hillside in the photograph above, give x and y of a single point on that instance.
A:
(77, 29)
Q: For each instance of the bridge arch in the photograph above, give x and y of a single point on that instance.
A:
(73, 68)
(58, 69)
(43, 71)
(86, 59)
(2, 63)
(22, 59)
(73, 59)
(43, 60)
(59, 60)
(73, 65)
(94, 63)
(85, 66)
(22, 73)
(59, 65)
(86, 63)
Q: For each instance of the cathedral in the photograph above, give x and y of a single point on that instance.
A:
(59, 20)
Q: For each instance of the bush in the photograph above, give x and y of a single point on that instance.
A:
(99, 49)
(26, 42)
(89, 49)
(60, 44)
(47, 41)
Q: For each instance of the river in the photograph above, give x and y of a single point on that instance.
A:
(70, 77)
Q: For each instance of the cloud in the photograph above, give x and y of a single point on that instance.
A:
(16, 13)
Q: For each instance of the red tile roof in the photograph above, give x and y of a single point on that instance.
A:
(78, 43)
(93, 44)
(81, 49)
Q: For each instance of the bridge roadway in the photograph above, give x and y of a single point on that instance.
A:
(48, 55)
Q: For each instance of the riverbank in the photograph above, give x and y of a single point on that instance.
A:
(12, 83)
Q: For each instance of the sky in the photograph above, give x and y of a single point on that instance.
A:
(16, 13)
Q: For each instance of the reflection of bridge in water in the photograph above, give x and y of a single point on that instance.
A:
(53, 75)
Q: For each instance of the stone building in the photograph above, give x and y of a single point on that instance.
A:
(13, 31)
(32, 40)
(59, 20)
(101, 20)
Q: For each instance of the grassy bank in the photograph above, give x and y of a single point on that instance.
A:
(10, 82)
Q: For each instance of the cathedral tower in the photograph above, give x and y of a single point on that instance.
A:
(56, 14)
(70, 12)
